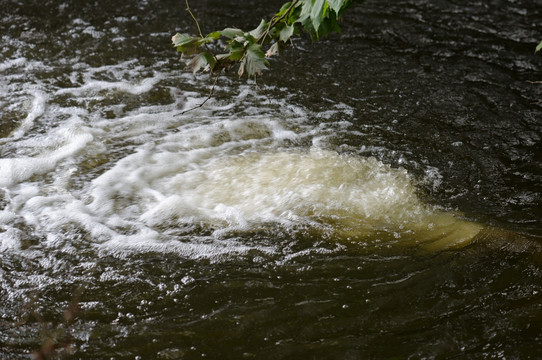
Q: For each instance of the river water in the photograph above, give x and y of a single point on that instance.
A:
(375, 195)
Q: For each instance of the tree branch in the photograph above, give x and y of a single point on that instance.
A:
(275, 21)
(206, 99)
(193, 17)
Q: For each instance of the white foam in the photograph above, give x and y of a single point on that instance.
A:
(10, 239)
(198, 183)
(17, 62)
(283, 187)
(228, 176)
(94, 86)
(37, 109)
(18, 169)
(6, 217)
(244, 192)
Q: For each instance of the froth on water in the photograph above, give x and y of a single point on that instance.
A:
(133, 180)
(349, 197)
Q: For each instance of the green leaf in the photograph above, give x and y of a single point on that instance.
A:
(305, 17)
(203, 61)
(317, 13)
(329, 25)
(286, 33)
(213, 36)
(222, 56)
(185, 43)
(231, 32)
(305, 13)
(254, 62)
(246, 39)
(274, 49)
(317, 17)
(283, 9)
(337, 5)
(260, 29)
(237, 50)
(539, 47)
(182, 39)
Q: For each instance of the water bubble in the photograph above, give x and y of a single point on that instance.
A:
(187, 280)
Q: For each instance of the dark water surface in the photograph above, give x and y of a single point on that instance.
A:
(295, 219)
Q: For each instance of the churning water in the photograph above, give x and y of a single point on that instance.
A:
(382, 200)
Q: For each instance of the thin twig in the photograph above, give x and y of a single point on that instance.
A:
(206, 99)
(193, 17)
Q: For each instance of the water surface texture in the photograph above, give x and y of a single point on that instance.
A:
(375, 195)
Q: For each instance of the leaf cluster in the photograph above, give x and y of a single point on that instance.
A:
(250, 50)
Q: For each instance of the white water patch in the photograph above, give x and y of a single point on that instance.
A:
(19, 96)
(246, 190)
(37, 108)
(17, 62)
(45, 154)
(195, 189)
(105, 209)
(94, 86)
(348, 196)
(200, 184)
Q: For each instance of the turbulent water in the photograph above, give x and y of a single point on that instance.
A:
(375, 195)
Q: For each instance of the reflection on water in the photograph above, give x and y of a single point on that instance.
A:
(384, 205)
